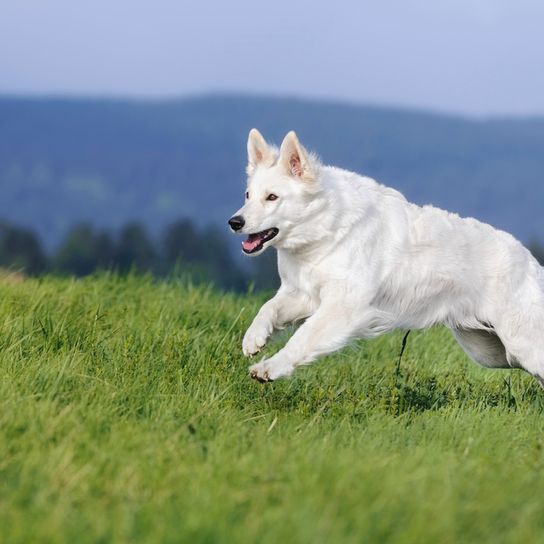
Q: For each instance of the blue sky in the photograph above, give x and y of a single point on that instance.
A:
(476, 57)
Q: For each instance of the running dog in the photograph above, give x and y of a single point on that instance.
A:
(356, 260)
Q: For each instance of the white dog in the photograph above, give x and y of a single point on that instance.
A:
(356, 259)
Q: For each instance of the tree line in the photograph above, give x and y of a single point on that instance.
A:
(537, 249)
(201, 253)
(182, 247)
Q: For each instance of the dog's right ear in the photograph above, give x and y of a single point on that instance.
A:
(258, 151)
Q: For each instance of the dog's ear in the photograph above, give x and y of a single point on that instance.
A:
(295, 159)
(258, 151)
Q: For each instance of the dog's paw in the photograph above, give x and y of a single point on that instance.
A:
(268, 371)
(254, 340)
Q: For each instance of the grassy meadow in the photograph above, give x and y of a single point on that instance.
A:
(127, 416)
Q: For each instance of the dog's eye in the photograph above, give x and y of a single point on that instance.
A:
(247, 194)
(271, 196)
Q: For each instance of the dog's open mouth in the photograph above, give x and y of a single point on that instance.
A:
(255, 242)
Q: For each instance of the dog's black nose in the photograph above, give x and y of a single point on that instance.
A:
(236, 222)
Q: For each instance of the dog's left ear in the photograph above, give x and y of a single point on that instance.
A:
(295, 159)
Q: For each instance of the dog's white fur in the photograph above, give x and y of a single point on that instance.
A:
(356, 259)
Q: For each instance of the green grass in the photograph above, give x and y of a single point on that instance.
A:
(127, 416)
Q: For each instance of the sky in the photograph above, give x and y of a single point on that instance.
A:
(473, 57)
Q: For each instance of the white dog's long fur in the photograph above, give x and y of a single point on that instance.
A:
(356, 259)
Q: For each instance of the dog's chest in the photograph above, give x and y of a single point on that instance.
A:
(303, 276)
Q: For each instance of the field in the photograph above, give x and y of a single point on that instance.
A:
(127, 416)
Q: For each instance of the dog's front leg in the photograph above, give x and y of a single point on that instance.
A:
(287, 306)
(329, 329)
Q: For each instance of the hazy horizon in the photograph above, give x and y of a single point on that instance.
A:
(288, 97)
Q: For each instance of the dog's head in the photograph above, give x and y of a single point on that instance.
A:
(281, 188)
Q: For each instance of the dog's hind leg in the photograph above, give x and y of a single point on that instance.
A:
(523, 340)
(484, 347)
(488, 350)
(527, 352)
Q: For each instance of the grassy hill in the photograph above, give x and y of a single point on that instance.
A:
(127, 416)
(63, 161)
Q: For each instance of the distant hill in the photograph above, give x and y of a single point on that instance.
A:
(110, 161)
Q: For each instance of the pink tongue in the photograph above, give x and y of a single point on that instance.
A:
(250, 244)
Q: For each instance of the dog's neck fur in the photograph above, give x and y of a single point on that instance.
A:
(330, 229)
